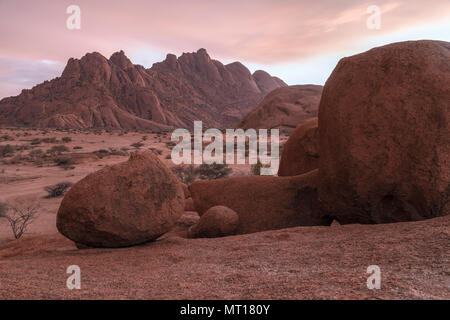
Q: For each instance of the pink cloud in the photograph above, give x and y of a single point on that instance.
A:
(259, 31)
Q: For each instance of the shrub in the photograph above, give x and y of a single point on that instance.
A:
(158, 151)
(35, 141)
(58, 149)
(137, 145)
(256, 168)
(66, 139)
(186, 173)
(101, 153)
(37, 156)
(170, 144)
(6, 138)
(19, 218)
(57, 190)
(213, 171)
(49, 140)
(7, 150)
(77, 148)
(65, 162)
(115, 152)
(16, 159)
(36, 153)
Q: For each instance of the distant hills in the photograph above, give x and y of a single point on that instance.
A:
(96, 92)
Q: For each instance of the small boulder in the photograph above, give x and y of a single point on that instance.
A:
(122, 205)
(301, 151)
(218, 221)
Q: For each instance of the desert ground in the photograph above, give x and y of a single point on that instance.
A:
(295, 263)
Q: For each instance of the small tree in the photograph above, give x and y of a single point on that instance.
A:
(19, 218)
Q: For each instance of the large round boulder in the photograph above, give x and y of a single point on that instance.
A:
(122, 205)
(301, 151)
(385, 136)
(218, 221)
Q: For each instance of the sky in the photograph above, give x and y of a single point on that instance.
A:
(296, 40)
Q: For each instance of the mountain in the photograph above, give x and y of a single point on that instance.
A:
(96, 92)
(284, 108)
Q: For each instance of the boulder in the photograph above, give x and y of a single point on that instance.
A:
(385, 136)
(122, 205)
(263, 202)
(218, 221)
(301, 151)
(284, 108)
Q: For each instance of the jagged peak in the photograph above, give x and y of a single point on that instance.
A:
(121, 60)
(203, 52)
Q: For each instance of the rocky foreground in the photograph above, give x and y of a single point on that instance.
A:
(378, 153)
(295, 263)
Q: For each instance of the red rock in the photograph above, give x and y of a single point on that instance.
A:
(189, 205)
(284, 108)
(263, 202)
(187, 193)
(96, 92)
(385, 136)
(122, 205)
(218, 221)
(301, 151)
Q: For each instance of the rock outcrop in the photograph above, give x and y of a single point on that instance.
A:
(263, 202)
(301, 151)
(284, 108)
(114, 93)
(122, 205)
(384, 134)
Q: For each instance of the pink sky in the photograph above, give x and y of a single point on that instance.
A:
(299, 41)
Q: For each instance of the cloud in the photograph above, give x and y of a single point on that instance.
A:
(18, 74)
(259, 32)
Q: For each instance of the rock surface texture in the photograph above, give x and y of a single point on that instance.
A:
(301, 151)
(122, 205)
(385, 136)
